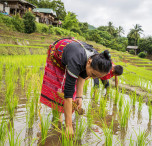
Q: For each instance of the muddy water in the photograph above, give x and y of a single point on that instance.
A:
(137, 120)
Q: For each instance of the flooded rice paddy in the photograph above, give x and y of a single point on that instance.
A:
(116, 119)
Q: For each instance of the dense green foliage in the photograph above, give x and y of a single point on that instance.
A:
(15, 23)
(109, 35)
(56, 5)
(142, 54)
(29, 22)
(134, 35)
(70, 21)
(132, 52)
(145, 44)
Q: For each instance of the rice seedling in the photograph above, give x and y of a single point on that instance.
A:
(141, 138)
(140, 100)
(30, 113)
(36, 98)
(29, 89)
(96, 94)
(150, 110)
(116, 97)
(56, 116)
(121, 101)
(3, 131)
(92, 92)
(89, 115)
(131, 141)
(108, 134)
(85, 87)
(44, 126)
(102, 107)
(80, 127)
(134, 99)
(11, 100)
(1, 71)
(124, 115)
(13, 141)
(67, 140)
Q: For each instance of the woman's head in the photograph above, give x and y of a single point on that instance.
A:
(99, 64)
(118, 70)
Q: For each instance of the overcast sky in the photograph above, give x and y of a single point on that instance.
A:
(125, 13)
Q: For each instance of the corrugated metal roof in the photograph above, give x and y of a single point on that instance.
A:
(44, 10)
(132, 47)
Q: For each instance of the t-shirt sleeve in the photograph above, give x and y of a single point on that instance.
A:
(83, 74)
(74, 58)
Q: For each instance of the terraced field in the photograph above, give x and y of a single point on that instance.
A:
(124, 117)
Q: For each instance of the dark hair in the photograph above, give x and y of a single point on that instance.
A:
(102, 62)
(118, 69)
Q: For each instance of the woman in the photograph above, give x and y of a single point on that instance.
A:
(69, 63)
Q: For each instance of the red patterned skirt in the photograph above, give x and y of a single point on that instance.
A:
(54, 77)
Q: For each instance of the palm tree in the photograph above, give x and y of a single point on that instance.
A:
(110, 28)
(135, 33)
(120, 31)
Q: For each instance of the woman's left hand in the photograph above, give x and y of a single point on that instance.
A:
(78, 102)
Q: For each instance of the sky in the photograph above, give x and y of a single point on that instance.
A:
(125, 13)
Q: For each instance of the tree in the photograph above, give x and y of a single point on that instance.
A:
(135, 33)
(120, 31)
(70, 21)
(34, 2)
(58, 6)
(45, 4)
(145, 44)
(103, 28)
(29, 22)
(83, 27)
(111, 28)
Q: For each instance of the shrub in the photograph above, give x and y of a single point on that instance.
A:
(142, 54)
(18, 23)
(29, 22)
(132, 52)
(44, 29)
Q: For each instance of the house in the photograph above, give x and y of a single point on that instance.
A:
(12, 7)
(1, 6)
(135, 48)
(45, 15)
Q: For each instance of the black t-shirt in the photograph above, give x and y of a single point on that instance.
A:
(75, 57)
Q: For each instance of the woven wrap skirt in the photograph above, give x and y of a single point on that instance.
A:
(54, 77)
